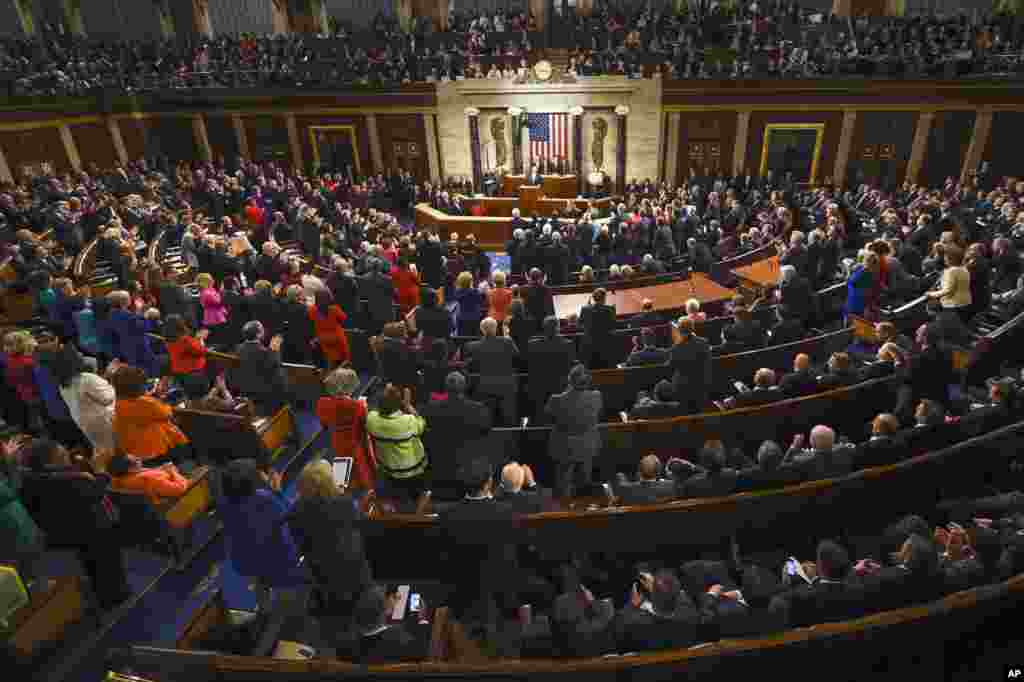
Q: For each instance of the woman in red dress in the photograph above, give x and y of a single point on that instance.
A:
(346, 419)
(328, 319)
(407, 286)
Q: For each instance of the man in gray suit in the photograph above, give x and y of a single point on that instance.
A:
(575, 440)
(494, 357)
(824, 459)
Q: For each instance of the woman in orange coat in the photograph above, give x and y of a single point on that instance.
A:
(346, 419)
(328, 320)
(143, 424)
(407, 286)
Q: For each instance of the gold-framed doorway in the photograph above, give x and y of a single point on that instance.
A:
(799, 139)
(316, 132)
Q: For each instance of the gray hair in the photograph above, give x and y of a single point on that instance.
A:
(342, 381)
(788, 273)
(489, 326)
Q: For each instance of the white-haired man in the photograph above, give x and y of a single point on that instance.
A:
(824, 459)
(495, 358)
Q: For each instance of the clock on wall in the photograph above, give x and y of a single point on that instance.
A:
(543, 70)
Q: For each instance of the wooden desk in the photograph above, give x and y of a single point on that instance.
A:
(672, 296)
(763, 274)
(501, 207)
(552, 186)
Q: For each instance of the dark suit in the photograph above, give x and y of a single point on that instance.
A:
(644, 491)
(819, 602)
(266, 308)
(795, 384)
(637, 630)
(816, 465)
(798, 297)
(690, 361)
(838, 379)
(878, 451)
(379, 293)
(399, 364)
(755, 397)
(648, 355)
(708, 485)
(455, 430)
(174, 300)
(894, 587)
(259, 376)
(575, 440)
(298, 333)
(598, 323)
(579, 629)
(758, 478)
(527, 501)
(398, 643)
(548, 362)
(495, 358)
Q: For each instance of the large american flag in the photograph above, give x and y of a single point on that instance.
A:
(549, 135)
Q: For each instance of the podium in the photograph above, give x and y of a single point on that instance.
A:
(529, 195)
(553, 186)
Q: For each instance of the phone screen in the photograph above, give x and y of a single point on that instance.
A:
(791, 567)
(414, 602)
(341, 467)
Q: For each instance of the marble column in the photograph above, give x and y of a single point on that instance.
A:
(577, 148)
(240, 137)
(515, 127)
(979, 140)
(621, 112)
(5, 169)
(672, 147)
(294, 143)
(433, 158)
(115, 135)
(70, 148)
(473, 116)
(920, 145)
(201, 137)
(374, 135)
(845, 143)
(739, 149)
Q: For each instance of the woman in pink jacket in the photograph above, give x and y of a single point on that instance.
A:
(215, 313)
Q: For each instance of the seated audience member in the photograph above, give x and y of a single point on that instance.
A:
(259, 375)
(764, 391)
(379, 640)
(574, 440)
(200, 395)
(659, 615)
(345, 418)
(882, 448)
(789, 327)
(713, 478)
(824, 459)
(659, 402)
(495, 358)
(581, 625)
(694, 313)
(888, 333)
(519, 490)
(839, 373)
(888, 360)
(129, 475)
(828, 598)
(258, 540)
(454, 435)
(69, 507)
(647, 317)
(768, 472)
(803, 380)
(649, 487)
(324, 525)
(187, 352)
(999, 411)
(646, 351)
(724, 610)
(931, 431)
(745, 330)
(914, 578)
(143, 424)
(548, 362)
(396, 429)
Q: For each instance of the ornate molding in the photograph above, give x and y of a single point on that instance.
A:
(622, 110)
(515, 111)
(472, 111)
(576, 110)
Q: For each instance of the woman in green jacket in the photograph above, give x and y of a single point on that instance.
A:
(20, 537)
(396, 429)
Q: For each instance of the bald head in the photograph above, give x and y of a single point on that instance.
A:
(823, 438)
(801, 362)
(513, 477)
(650, 467)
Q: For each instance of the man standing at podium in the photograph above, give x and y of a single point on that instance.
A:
(534, 178)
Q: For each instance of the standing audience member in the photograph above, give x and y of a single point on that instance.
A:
(345, 418)
(495, 358)
(259, 375)
(329, 324)
(89, 397)
(549, 360)
(690, 360)
(396, 429)
(575, 440)
(143, 424)
(598, 323)
(215, 313)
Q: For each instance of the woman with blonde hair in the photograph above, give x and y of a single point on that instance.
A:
(954, 293)
(215, 312)
(499, 297)
(19, 374)
(471, 305)
(324, 525)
